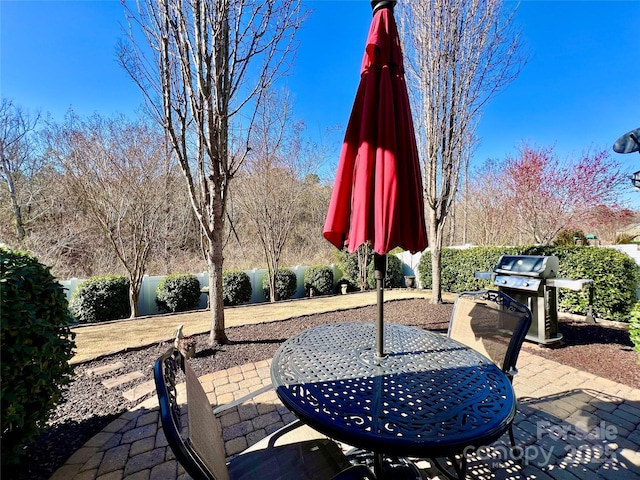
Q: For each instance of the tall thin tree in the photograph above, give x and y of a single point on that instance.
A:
(203, 66)
(273, 178)
(459, 55)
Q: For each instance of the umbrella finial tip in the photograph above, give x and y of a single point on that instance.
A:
(379, 4)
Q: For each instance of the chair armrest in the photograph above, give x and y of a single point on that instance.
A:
(356, 472)
(223, 408)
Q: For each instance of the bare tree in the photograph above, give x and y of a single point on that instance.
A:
(65, 236)
(19, 162)
(307, 242)
(530, 197)
(486, 206)
(117, 172)
(210, 64)
(459, 55)
(275, 177)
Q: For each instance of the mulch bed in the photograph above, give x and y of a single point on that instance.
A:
(600, 349)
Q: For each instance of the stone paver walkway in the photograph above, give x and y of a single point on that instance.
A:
(571, 425)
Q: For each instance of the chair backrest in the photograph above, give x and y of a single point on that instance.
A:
(202, 453)
(492, 323)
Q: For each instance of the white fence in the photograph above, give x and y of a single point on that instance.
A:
(147, 301)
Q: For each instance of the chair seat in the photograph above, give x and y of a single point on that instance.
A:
(308, 460)
(295, 452)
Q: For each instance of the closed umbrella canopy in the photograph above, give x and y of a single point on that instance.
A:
(378, 193)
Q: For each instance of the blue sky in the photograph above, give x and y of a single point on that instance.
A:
(580, 89)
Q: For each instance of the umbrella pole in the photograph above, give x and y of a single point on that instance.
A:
(380, 267)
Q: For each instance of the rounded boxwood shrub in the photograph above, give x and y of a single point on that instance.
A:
(286, 284)
(178, 293)
(36, 348)
(100, 299)
(236, 287)
(393, 275)
(319, 278)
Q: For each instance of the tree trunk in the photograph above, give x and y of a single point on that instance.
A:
(134, 295)
(273, 292)
(435, 245)
(17, 211)
(214, 267)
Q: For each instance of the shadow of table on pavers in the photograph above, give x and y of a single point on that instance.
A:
(582, 432)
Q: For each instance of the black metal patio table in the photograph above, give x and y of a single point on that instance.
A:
(430, 396)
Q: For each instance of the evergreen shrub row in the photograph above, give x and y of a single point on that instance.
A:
(106, 298)
(614, 274)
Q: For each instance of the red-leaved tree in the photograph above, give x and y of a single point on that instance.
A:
(547, 195)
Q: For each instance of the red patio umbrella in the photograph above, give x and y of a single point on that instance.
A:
(378, 195)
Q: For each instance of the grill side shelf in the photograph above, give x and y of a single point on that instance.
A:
(576, 284)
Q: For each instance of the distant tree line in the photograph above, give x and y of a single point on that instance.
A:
(93, 196)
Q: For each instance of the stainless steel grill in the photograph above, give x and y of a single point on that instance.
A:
(531, 279)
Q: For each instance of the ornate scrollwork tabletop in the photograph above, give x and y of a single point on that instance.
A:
(428, 396)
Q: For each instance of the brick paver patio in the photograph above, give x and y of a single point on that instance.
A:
(571, 425)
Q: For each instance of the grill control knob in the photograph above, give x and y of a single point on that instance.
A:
(526, 284)
(504, 282)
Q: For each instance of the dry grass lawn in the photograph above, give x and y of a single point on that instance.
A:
(93, 341)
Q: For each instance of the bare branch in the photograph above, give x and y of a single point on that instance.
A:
(459, 54)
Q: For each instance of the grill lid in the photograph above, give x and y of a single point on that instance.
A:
(528, 265)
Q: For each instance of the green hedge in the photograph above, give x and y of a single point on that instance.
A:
(615, 275)
(460, 265)
(320, 279)
(99, 299)
(36, 348)
(634, 328)
(178, 293)
(236, 287)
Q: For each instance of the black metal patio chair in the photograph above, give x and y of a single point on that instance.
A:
(295, 452)
(494, 324)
